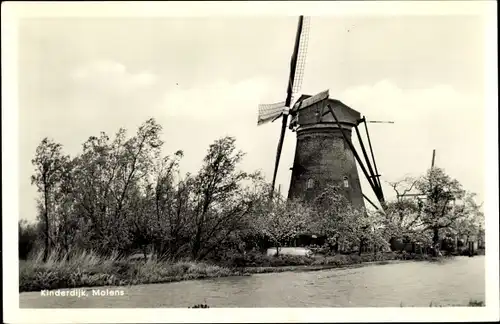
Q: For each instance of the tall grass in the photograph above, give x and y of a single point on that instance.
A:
(88, 269)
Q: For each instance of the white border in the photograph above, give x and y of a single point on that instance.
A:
(13, 11)
(245, 8)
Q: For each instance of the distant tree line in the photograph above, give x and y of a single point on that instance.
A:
(122, 195)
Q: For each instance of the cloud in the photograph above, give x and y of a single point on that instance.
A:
(439, 114)
(386, 97)
(106, 95)
(437, 117)
(110, 75)
(193, 118)
(216, 100)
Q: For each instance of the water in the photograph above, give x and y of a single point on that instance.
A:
(450, 282)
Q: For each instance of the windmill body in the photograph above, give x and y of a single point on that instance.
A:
(322, 156)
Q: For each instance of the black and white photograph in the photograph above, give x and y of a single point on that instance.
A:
(333, 158)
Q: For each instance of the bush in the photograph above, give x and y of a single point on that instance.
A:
(28, 235)
(322, 250)
(257, 259)
(476, 303)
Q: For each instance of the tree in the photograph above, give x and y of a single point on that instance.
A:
(170, 200)
(66, 217)
(402, 216)
(138, 158)
(442, 207)
(111, 175)
(470, 219)
(438, 212)
(49, 164)
(282, 221)
(219, 201)
(338, 220)
(96, 173)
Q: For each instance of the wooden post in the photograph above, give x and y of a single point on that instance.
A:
(371, 151)
(370, 169)
(358, 159)
(371, 203)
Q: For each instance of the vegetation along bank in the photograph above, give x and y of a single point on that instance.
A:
(121, 195)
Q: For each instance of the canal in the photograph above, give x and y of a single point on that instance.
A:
(448, 282)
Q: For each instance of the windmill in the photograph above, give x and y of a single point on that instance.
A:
(324, 152)
(272, 112)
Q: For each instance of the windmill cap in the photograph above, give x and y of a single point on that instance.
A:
(336, 102)
(307, 114)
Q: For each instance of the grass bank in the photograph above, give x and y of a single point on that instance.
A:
(307, 268)
(258, 263)
(90, 270)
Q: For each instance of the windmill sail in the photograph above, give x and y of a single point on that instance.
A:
(270, 112)
(295, 70)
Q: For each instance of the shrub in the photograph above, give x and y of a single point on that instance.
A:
(322, 250)
(476, 303)
(354, 258)
(256, 259)
(28, 235)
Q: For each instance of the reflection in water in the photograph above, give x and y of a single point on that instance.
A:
(453, 281)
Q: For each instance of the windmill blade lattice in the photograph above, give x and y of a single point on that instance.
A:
(302, 54)
(268, 112)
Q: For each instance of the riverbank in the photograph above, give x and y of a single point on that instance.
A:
(308, 268)
(90, 270)
(450, 282)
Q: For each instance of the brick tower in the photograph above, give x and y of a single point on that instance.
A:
(322, 157)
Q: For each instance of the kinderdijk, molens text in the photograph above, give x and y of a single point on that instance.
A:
(83, 293)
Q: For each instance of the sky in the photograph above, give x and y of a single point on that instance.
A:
(202, 78)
